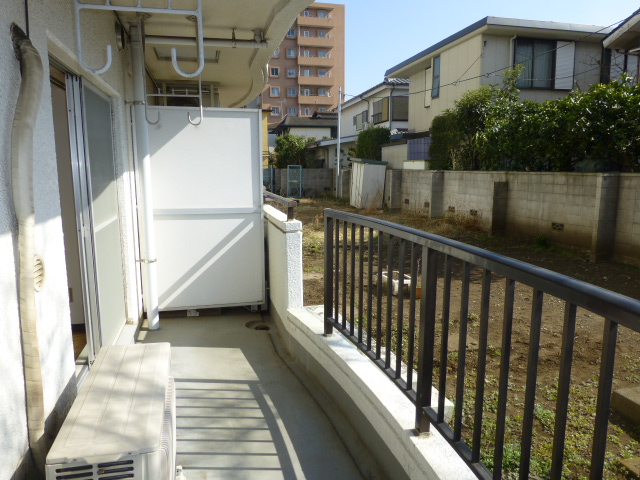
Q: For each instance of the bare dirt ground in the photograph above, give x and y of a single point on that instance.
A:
(624, 438)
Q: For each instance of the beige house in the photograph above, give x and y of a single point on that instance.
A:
(557, 57)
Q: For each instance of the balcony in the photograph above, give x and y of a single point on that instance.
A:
(315, 61)
(316, 80)
(326, 22)
(326, 42)
(316, 100)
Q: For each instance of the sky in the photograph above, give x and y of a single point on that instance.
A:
(382, 33)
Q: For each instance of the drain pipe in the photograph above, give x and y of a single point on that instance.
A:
(22, 186)
(143, 156)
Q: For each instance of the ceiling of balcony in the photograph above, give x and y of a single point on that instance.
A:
(238, 71)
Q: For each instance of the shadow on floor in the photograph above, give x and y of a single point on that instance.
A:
(241, 413)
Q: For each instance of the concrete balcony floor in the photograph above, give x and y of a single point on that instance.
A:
(241, 411)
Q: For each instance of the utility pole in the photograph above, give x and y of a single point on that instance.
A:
(338, 175)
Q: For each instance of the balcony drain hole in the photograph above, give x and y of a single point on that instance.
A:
(262, 327)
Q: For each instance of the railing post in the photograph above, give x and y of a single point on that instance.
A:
(328, 274)
(603, 405)
(426, 335)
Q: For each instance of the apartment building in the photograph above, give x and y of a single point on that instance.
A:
(307, 69)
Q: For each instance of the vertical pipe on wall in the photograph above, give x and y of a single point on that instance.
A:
(22, 132)
(143, 165)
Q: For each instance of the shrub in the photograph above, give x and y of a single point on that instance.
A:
(370, 141)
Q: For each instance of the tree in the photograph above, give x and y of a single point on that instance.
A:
(290, 150)
(370, 141)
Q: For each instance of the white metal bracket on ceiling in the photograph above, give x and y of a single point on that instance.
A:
(195, 14)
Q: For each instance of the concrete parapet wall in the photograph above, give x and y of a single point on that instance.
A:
(381, 415)
(595, 211)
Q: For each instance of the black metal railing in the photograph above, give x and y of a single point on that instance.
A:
(288, 203)
(411, 328)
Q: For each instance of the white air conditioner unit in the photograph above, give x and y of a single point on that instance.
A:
(122, 424)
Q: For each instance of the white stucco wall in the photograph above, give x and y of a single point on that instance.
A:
(52, 32)
(284, 239)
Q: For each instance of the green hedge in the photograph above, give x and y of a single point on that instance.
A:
(491, 129)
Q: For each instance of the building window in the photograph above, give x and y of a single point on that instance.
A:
(275, 110)
(360, 120)
(322, 73)
(322, 109)
(322, 34)
(275, 71)
(306, 92)
(307, 33)
(322, 53)
(307, 53)
(291, 33)
(307, 111)
(380, 110)
(537, 59)
(306, 73)
(291, 72)
(322, 92)
(275, 91)
(291, 92)
(291, 53)
(435, 79)
(277, 52)
(400, 109)
(322, 13)
(306, 13)
(293, 111)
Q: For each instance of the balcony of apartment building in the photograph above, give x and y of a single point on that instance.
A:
(315, 20)
(315, 79)
(310, 97)
(248, 404)
(315, 60)
(321, 40)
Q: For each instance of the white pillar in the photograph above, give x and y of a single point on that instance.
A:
(143, 166)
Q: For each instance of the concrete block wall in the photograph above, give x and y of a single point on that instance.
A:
(627, 232)
(416, 191)
(470, 195)
(595, 211)
(559, 205)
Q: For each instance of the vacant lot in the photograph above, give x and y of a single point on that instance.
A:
(623, 437)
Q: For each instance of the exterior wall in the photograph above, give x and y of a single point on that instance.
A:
(395, 155)
(454, 63)
(308, 132)
(574, 209)
(52, 32)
